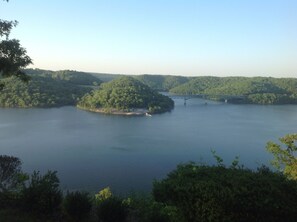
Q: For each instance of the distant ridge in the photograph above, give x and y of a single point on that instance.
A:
(256, 90)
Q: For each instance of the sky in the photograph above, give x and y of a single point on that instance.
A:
(175, 37)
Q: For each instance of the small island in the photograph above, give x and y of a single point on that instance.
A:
(125, 96)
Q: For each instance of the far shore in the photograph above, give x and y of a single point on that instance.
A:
(113, 111)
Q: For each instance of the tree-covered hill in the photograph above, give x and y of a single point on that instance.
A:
(162, 82)
(74, 77)
(40, 91)
(259, 90)
(106, 77)
(157, 82)
(125, 94)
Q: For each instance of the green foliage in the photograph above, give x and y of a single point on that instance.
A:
(161, 82)
(259, 90)
(220, 161)
(145, 209)
(106, 77)
(10, 171)
(39, 92)
(69, 76)
(46, 88)
(126, 94)
(12, 181)
(216, 193)
(112, 209)
(6, 27)
(77, 206)
(13, 57)
(103, 195)
(43, 195)
(285, 157)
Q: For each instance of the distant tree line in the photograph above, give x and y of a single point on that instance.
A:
(39, 92)
(256, 90)
(70, 76)
(65, 87)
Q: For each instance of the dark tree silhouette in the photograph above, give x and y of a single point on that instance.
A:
(13, 57)
(10, 169)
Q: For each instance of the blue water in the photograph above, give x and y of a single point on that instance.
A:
(91, 151)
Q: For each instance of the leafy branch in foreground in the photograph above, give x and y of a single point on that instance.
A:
(13, 57)
(284, 157)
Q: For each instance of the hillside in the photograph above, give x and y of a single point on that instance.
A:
(259, 90)
(162, 82)
(74, 77)
(106, 77)
(126, 94)
(46, 88)
(253, 90)
(39, 92)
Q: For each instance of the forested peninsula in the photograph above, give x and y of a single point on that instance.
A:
(127, 96)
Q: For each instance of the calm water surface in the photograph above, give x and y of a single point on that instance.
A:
(91, 151)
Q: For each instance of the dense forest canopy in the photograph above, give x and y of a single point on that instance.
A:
(256, 90)
(106, 77)
(67, 86)
(259, 90)
(162, 82)
(126, 93)
(219, 193)
(74, 77)
(46, 89)
(156, 82)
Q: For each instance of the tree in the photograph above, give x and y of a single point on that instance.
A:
(43, 195)
(10, 173)
(218, 193)
(13, 57)
(284, 158)
(110, 208)
(12, 180)
(77, 205)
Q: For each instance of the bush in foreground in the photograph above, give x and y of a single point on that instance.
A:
(110, 208)
(43, 195)
(218, 193)
(77, 206)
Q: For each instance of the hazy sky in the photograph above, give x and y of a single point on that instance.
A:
(179, 37)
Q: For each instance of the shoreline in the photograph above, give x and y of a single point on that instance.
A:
(113, 111)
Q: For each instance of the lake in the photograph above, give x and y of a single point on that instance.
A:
(91, 151)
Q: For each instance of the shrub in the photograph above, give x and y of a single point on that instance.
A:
(43, 195)
(77, 205)
(112, 209)
(12, 180)
(218, 193)
(11, 176)
(145, 209)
